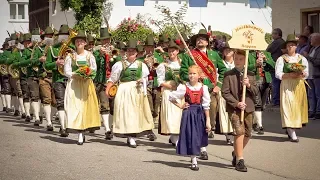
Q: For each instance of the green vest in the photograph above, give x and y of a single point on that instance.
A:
(130, 74)
(268, 67)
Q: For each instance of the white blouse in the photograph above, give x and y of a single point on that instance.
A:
(161, 70)
(292, 59)
(228, 65)
(117, 69)
(68, 63)
(181, 91)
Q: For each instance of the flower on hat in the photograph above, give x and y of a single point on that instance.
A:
(178, 41)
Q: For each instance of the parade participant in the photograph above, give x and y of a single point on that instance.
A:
(5, 85)
(293, 104)
(224, 122)
(32, 74)
(201, 41)
(195, 123)
(14, 81)
(103, 58)
(132, 114)
(81, 103)
(262, 65)
(54, 64)
(232, 91)
(3, 98)
(167, 75)
(141, 51)
(91, 43)
(45, 77)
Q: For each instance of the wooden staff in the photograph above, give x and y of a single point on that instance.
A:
(244, 88)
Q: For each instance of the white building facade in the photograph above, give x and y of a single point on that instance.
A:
(222, 15)
(13, 17)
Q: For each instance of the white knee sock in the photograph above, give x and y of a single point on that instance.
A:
(62, 115)
(8, 101)
(27, 108)
(292, 133)
(47, 113)
(258, 118)
(105, 121)
(202, 149)
(21, 105)
(80, 137)
(4, 104)
(36, 109)
(194, 160)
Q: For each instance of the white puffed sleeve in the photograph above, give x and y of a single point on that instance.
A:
(68, 67)
(206, 98)
(279, 68)
(145, 70)
(161, 74)
(93, 64)
(306, 71)
(178, 94)
(115, 72)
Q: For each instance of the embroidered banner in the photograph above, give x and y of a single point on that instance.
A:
(206, 65)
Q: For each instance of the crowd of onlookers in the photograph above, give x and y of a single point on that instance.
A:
(309, 47)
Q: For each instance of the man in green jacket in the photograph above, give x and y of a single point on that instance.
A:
(59, 81)
(5, 85)
(201, 42)
(262, 64)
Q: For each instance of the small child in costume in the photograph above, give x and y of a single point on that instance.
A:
(195, 123)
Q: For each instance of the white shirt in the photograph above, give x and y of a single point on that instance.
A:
(117, 69)
(68, 63)
(292, 59)
(181, 91)
(161, 70)
(228, 65)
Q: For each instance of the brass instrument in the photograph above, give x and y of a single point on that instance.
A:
(45, 51)
(151, 61)
(4, 69)
(14, 72)
(65, 50)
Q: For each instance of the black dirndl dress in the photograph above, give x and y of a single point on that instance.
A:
(193, 133)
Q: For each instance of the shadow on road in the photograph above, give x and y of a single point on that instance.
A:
(163, 151)
(109, 142)
(218, 142)
(271, 138)
(59, 140)
(155, 144)
(171, 164)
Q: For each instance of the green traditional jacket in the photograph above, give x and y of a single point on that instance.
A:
(267, 69)
(28, 62)
(37, 63)
(24, 61)
(215, 59)
(13, 57)
(51, 65)
(101, 76)
(4, 56)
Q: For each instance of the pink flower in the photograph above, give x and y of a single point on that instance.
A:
(129, 19)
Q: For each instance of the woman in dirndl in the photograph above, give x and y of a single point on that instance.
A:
(167, 74)
(132, 115)
(81, 102)
(293, 97)
(225, 123)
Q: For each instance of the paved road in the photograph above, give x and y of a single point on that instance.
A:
(28, 152)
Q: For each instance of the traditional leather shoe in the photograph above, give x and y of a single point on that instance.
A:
(81, 143)
(260, 131)
(109, 135)
(4, 109)
(311, 115)
(8, 110)
(92, 131)
(240, 166)
(41, 119)
(234, 159)
(204, 155)
(211, 135)
(131, 145)
(23, 116)
(28, 119)
(170, 142)
(152, 137)
(50, 128)
(37, 123)
(194, 167)
(16, 113)
(294, 140)
(255, 127)
(63, 133)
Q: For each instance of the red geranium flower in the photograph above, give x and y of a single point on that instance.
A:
(178, 41)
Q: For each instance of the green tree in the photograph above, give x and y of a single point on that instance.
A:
(88, 13)
(268, 38)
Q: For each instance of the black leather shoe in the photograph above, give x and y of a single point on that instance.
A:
(131, 145)
(4, 109)
(152, 137)
(92, 131)
(294, 140)
(8, 110)
(37, 123)
(194, 167)
(260, 131)
(63, 133)
(234, 159)
(50, 128)
(28, 119)
(311, 115)
(23, 116)
(170, 142)
(255, 127)
(204, 155)
(16, 113)
(211, 135)
(240, 166)
(109, 135)
(41, 119)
